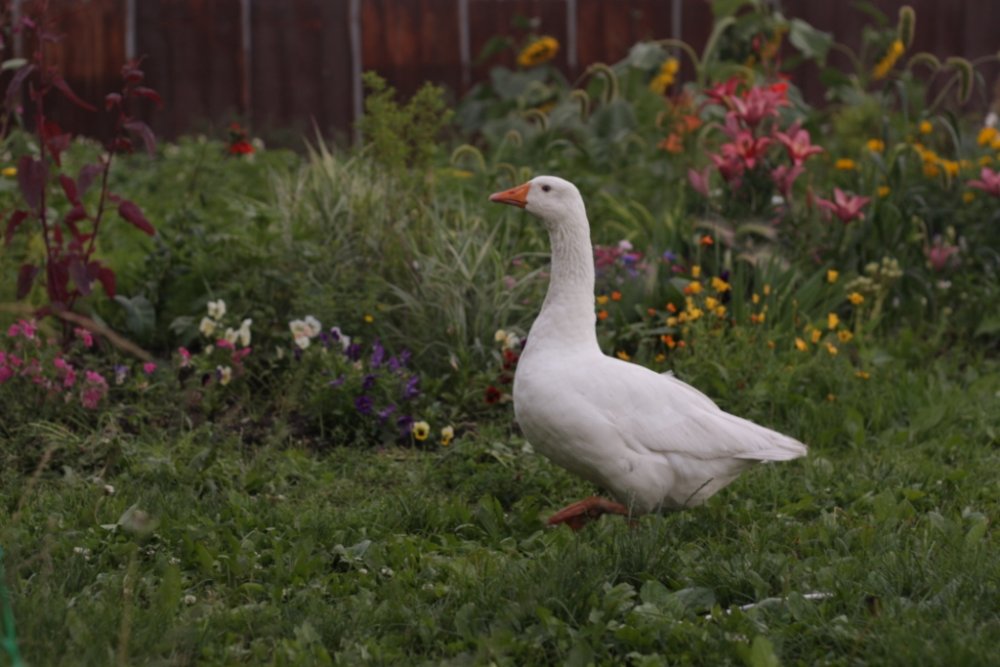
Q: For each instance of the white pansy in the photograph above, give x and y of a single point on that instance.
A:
(244, 332)
(314, 327)
(231, 335)
(217, 309)
(225, 374)
(303, 341)
(207, 326)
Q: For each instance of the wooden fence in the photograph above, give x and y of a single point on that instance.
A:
(285, 65)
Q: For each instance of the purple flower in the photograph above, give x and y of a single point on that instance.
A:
(339, 380)
(405, 423)
(368, 382)
(412, 388)
(404, 357)
(335, 333)
(384, 413)
(363, 404)
(378, 354)
(393, 364)
(669, 256)
(353, 351)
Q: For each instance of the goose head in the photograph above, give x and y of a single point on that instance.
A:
(556, 201)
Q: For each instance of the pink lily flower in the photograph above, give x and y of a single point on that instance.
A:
(988, 182)
(798, 144)
(758, 103)
(721, 93)
(940, 253)
(784, 178)
(699, 180)
(730, 166)
(845, 206)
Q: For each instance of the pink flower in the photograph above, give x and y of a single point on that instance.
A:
(721, 93)
(85, 336)
(148, 368)
(26, 328)
(699, 180)
(225, 344)
(66, 370)
(988, 182)
(798, 144)
(240, 355)
(185, 356)
(940, 254)
(731, 168)
(94, 391)
(784, 178)
(844, 206)
(744, 145)
(758, 103)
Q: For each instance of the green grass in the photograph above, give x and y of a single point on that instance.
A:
(217, 547)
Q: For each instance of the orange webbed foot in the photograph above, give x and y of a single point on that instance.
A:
(579, 514)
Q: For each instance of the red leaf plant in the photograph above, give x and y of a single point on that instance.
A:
(69, 269)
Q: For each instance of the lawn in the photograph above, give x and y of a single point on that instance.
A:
(255, 404)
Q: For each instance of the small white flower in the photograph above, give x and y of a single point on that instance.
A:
(244, 332)
(217, 309)
(313, 326)
(225, 374)
(207, 326)
(297, 327)
(500, 335)
(231, 335)
(190, 599)
(303, 342)
(109, 490)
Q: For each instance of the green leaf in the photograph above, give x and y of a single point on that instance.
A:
(140, 316)
(761, 653)
(811, 42)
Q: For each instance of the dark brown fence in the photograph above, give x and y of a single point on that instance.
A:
(286, 65)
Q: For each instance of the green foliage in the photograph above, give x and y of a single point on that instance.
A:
(402, 138)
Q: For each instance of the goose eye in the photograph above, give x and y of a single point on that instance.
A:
(546, 188)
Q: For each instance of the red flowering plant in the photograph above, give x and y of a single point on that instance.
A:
(65, 211)
(239, 142)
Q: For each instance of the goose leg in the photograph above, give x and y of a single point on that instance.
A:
(579, 514)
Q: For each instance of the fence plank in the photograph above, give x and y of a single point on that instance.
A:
(193, 49)
(300, 68)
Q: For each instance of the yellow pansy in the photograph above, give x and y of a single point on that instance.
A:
(832, 321)
(832, 275)
(856, 298)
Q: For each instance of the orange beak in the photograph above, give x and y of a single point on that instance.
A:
(515, 196)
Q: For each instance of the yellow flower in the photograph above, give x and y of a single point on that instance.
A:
(420, 430)
(711, 302)
(755, 298)
(800, 345)
(720, 285)
(541, 50)
(9, 172)
(720, 311)
(985, 138)
(693, 287)
(968, 197)
(888, 61)
(816, 335)
(876, 145)
(447, 435)
(757, 318)
(671, 321)
(864, 375)
(695, 313)
(623, 355)
(665, 77)
(883, 191)
(602, 300)
(695, 271)
(832, 275)
(844, 164)
(856, 298)
(844, 336)
(368, 318)
(950, 167)
(931, 170)
(832, 321)
(832, 349)
(767, 290)
(925, 127)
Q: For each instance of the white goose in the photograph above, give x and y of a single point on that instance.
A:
(652, 441)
